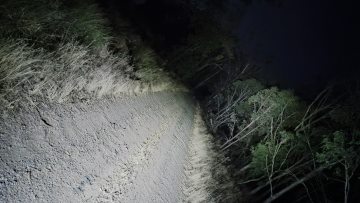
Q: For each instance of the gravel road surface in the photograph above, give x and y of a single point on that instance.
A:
(129, 149)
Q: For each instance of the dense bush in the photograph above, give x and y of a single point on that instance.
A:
(278, 143)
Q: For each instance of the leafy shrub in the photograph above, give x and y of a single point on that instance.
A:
(275, 114)
(252, 86)
(341, 154)
(276, 109)
(229, 107)
(275, 154)
(341, 150)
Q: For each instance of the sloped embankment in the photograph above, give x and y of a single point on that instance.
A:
(129, 149)
(87, 115)
(206, 177)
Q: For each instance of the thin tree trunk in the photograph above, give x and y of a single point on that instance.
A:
(347, 185)
(293, 185)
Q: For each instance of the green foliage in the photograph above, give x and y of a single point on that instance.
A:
(264, 128)
(333, 149)
(87, 24)
(274, 154)
(147, 63)
(230, 106)
(260, 156)
(275, 109)
(251, 87)
(340, 149)
(341, 156)
(46, 23)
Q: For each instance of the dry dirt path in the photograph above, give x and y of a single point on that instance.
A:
(129, 149)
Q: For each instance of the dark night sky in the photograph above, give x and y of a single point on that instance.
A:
(302, 42)
(299, 44)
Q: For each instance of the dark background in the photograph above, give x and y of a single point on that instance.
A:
(299, 44)
(302, 44)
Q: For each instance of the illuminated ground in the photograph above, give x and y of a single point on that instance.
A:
(132, 149)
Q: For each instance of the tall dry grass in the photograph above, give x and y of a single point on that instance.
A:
(56, 51)
(72, 72)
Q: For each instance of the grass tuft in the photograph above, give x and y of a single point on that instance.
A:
(59, 51)
(70, 72)
(47, 23)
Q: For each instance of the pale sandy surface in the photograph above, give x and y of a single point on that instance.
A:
(129, 149)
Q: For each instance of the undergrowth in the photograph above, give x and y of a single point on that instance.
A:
(58, 75)
(60, 51)
(46, 23)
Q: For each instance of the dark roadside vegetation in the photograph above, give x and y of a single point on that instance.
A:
(282, 147)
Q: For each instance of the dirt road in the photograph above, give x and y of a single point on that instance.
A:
(131, 149)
